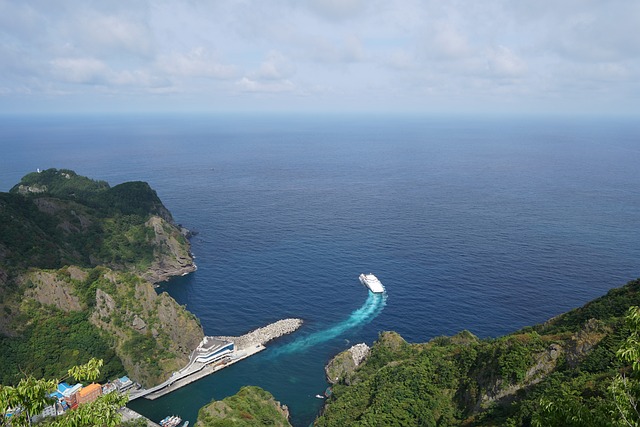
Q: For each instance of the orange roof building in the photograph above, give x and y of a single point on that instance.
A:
(89, 393)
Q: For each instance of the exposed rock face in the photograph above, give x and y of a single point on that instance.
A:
(346, 362)
(545, 363)
(66, 219)
(584, 341)
(172, 257)
(152, 319)
(574, 350)
(26, 189)
(49, 288)
(182, 327)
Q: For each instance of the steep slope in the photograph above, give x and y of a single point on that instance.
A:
(76, 250)
(462, 380)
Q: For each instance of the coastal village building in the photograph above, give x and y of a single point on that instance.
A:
(89, 393)
(212, 349)
(123, 384)
(108, 388)
(69, 397)
(69, 393)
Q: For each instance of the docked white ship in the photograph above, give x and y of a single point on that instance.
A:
(372, 282)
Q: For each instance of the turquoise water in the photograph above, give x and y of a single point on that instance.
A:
(370, 309)
(480, 224)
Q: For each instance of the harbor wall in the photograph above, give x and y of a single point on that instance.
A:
(265, 334)
(245, 346)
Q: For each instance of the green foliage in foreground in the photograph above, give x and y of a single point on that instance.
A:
(251, 406)
(31, 395)
(578, 369)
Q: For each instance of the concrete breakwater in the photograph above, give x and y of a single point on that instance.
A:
(265, 334)
(244, 346)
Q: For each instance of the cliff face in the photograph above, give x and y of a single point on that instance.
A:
(154, 334)
(171, 252)
(69, 244)
(345, 363)
(49, 288)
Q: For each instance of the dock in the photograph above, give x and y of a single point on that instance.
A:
(131, 415)
(216, 353)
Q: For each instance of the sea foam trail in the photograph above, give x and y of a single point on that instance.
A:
(363, 315)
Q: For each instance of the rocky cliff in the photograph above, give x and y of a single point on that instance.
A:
(345, 363)
(154, 335)
(171, 252)
(74, 247)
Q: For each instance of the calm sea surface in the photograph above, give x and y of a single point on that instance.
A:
(480, 224)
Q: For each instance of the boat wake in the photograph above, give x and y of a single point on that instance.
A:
(365, 314)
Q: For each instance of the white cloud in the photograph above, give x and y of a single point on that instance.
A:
(502, 62)
(358, 52)
(400, 59)
(448, 42)
(198, 62)
(248, 85)
(275, 67)
(80, 70)
(111, 34)
(337, 9)
(331, 50)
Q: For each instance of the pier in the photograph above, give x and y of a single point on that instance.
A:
(215, 353)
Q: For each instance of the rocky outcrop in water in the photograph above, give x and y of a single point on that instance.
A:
(346, 362)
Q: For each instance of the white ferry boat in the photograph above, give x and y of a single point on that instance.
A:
(372, 282)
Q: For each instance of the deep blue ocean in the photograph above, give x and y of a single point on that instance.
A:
(485, 224)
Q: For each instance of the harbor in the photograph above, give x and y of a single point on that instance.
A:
(216, 353)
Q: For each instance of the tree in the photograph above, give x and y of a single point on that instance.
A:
(622, 405)
(31, 396)
(626, 389)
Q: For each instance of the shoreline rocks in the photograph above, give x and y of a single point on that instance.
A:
(346, 362)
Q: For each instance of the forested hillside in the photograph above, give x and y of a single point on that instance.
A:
(77, 262)
(562, 372)
(251, 406)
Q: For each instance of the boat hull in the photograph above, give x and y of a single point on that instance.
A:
(372, 282)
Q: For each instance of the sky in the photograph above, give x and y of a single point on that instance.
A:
(417, 56)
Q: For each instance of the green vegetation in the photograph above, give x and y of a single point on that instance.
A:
(53, 342)
(32, 396)
(578, 369)
(63, 184)
(130, 198)
(251, 406)
(72, 220)
(64, 240)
